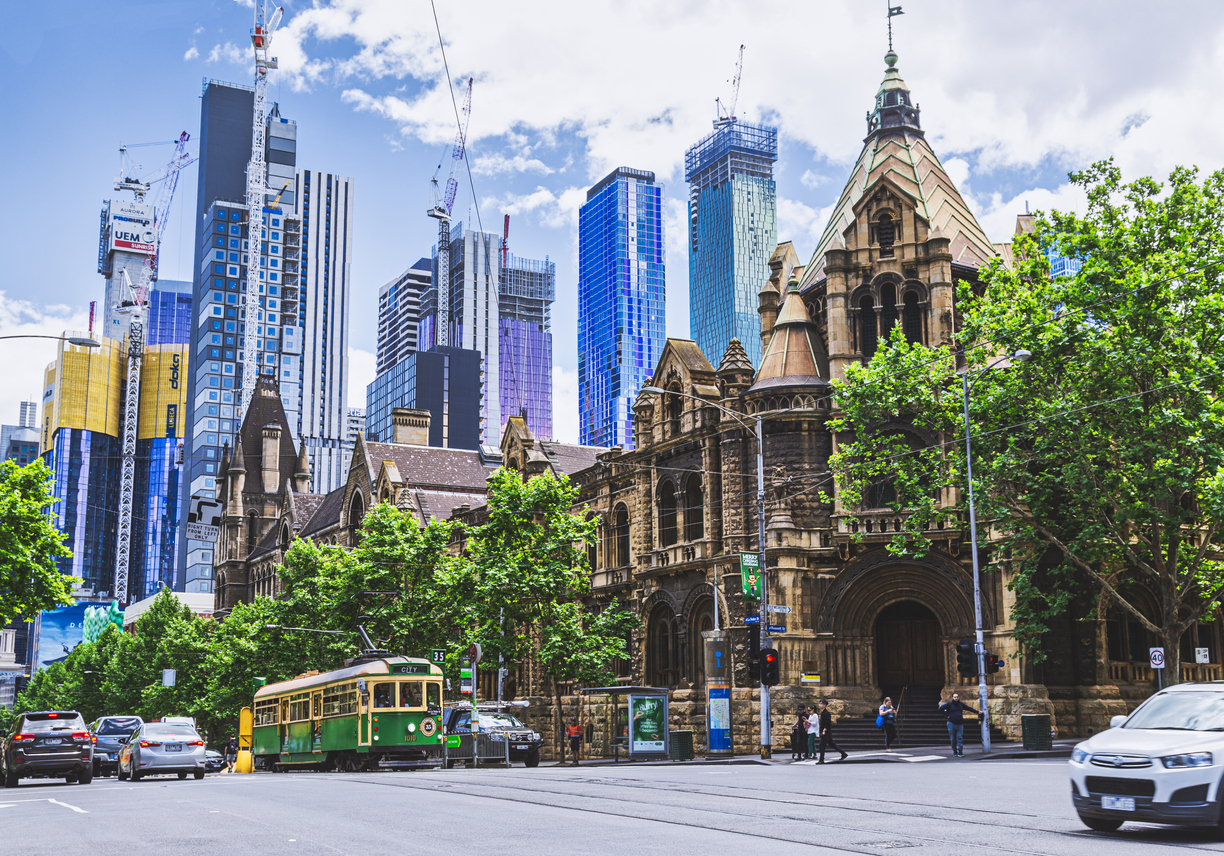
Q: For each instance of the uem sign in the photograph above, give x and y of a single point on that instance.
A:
(131, 227)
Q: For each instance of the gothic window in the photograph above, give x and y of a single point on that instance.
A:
(886, 235)
(913, 317)
(620, 536)
(285, 536)
(881, 494)
(673, 406)
(702, 621)
(252, 532)
(694, 510)
(663, 649)
(356, 510)
(888, 310)
(667, 514)
(867, 327)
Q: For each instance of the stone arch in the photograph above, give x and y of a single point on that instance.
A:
(877, 579)
(356, 509)
(663, 640)
(286, 535)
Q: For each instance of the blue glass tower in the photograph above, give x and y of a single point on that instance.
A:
(622, 302)
(733, 230)
(525, 294)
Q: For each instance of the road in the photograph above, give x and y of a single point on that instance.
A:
(1012, 807)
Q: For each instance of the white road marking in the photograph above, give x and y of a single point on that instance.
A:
(9, 805)
(65, 805)
(915, 758)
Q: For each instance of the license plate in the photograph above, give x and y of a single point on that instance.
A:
(174, 747)
(521, 746)
(1118, 803)
(51, 741)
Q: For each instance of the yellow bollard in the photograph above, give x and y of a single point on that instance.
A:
(246, 731)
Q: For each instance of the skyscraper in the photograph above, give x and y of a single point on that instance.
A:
(526, 293)
(621, 302)
(169, 318)
(399, 313)
(444, 380)
(733, 230)
(27, 417)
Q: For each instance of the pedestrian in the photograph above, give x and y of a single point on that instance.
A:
(954, 711)
(799, 734)
(813, 732)
(887, 720)
(231, 753)
(825, 721)
(575, 737)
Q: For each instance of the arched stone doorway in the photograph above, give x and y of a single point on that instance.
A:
(908, 648)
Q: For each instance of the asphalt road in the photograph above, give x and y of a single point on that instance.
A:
(1020, 807)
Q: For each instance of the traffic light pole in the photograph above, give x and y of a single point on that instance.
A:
(977, 578)
(766, 725)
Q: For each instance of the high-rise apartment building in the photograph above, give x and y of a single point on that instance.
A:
(356, 425)
(445, 381)
(169, 318)
(475, 263)
(27, 417)
(621, 302)
(399, 314)
(526, 293)
(301, 330)
(733, 231)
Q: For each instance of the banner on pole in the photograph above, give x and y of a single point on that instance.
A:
(750, 575)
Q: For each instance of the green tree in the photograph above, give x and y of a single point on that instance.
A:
(527, 580)
(29, 543)
(1100, 462)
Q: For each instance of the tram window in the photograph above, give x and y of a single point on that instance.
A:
(384, 695)
(299, 707)
(265, 712)
(434, 693)
(318, 706)
(340, 699)
(411, 695)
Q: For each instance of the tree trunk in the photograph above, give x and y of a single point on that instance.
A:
(1172, 650)
(560, 717)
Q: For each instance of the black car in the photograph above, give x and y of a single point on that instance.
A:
(524, 743)
(108, 731)
(214, 761)
(49, 744)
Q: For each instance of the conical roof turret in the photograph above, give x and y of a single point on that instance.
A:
(796, 355)
(894, 108)
(734, 359)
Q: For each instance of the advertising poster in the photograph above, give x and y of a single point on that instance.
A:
(647, 724)
(60, 631)
(131, 227)
(720, 719)
(750, 575)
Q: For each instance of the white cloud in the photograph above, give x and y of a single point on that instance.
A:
(801, 224)
(958, 170)
(812, 180)
(199, 29)
(565, 405)
(555, 211)
(361, 372)
(229, 53)
(998, 215)
(192, 53)
(497, 164)
(27, 359)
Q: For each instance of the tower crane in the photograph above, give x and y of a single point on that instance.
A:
(257, 189)
(444, 201)
(133, 299)
(735, 87)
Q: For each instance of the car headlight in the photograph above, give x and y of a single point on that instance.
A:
(1191, 759)
(535, 735)
(1079, 756)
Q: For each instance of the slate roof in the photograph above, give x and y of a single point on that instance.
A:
(440, 503)
(569, 459)
(327, 514)
(304, 507)
(428, 467)
(266, 409)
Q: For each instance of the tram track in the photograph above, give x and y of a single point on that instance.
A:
(521, 791)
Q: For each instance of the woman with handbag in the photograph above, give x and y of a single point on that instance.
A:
(887, 720)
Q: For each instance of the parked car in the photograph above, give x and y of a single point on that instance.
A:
(106, 732)
(214, 761)
(524, 743)
(48, 744)
(1162, 764)
(156, 748)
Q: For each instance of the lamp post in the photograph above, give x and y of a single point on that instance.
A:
(766, 725)
(1019, 356)
(83, 341)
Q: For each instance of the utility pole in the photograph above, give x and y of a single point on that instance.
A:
(766, 725)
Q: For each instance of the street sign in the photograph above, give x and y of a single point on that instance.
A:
(773, 607)
(776, 628)
(438, 656)
(466, 683)
(1156, 657)
(203, 519)
(750, 575)
(1201, 655)
(752, 619)
(168, 676)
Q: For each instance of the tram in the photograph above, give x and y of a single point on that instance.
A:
(377, 713)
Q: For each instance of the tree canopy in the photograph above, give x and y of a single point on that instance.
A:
(29, 543)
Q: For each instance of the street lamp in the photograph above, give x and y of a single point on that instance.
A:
(766, 725)
(1020, 356)
(83, 341)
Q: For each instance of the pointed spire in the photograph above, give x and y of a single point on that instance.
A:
(301, 478)
(735, 358)
(238, 465)
(796, 355)
(894, 109)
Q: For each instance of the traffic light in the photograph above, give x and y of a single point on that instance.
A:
(993, 663)
(770, 667)
(754, 652)
(966, 658)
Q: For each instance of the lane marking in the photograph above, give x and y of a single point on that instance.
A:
(65, 805)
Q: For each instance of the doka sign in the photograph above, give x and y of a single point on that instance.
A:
(131, 227)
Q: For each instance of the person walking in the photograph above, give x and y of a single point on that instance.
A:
(813, 732)
(887, 720)
(954, 712)
(230, 751)
(825, 724)
(799, 734)
(574, 733)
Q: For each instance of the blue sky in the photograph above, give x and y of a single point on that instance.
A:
(1013, 96)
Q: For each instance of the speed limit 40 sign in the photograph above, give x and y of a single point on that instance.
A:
(1156, 657)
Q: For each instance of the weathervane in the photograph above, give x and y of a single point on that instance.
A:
(892, 12)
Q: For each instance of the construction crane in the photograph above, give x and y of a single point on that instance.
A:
(257, 189)
(729, 116)
(506, 243)
(133, 298)
(443, 202)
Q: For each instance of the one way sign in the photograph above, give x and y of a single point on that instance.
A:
(203, 519)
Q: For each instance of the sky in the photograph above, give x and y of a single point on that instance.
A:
(1013, 96)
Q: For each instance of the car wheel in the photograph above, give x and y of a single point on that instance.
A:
(119, 774)
(532, 759)
(135, 775)
(86, 776)
(10, 779)
(1100, 824)
(199, 774)
(182, 776)
(71, 778)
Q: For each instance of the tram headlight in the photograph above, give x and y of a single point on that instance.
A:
(411, 727)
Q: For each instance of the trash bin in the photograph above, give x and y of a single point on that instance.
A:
(1035, 731)
(680, 745)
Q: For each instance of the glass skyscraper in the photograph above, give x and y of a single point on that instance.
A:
(733, 230)
(621, 302)
(169, 319)
(525, 296)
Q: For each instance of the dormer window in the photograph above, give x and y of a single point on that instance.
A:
(886, 235)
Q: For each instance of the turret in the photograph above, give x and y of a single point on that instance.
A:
(301, 478)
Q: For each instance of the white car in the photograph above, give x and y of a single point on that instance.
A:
(1162, 764)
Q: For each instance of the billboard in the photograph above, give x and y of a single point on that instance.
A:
(131, 227)
(163, 392)
(60, 630)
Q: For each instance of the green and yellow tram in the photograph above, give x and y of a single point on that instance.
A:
(380, 714)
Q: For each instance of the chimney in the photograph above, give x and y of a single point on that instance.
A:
(410, 427)
(270, 459)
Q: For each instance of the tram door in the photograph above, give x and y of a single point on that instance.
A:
(316, 722)
(284, 724)
(363, 714)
